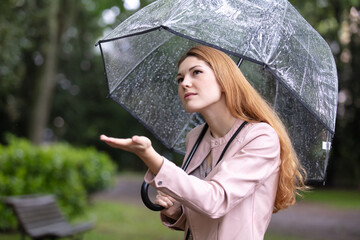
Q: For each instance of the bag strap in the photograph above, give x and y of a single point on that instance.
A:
(196, 145)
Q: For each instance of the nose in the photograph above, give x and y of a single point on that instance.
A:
(186, 82)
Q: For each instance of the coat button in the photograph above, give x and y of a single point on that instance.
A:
(159, 183)
(216, 143)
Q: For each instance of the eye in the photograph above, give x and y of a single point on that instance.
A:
(179, 80)
(196, 72)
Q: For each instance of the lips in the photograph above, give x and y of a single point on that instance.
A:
(188, 95)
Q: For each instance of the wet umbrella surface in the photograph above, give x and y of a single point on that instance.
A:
(279, 53)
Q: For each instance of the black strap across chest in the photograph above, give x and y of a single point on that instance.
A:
(197, 143)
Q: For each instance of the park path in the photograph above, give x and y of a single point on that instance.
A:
(304, 220)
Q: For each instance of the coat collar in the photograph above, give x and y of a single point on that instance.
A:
(209, 143)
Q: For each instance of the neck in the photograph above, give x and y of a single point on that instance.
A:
(219, 122)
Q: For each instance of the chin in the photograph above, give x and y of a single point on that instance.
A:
(190, 110)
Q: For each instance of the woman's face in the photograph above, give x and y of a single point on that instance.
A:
(198, 88)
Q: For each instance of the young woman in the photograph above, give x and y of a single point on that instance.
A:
(258, 174)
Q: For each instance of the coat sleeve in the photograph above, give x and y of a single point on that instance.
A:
(178, 224)
(252, 159)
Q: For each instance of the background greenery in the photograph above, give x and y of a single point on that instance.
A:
(71, 174)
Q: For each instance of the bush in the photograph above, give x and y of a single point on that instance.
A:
(69, 173)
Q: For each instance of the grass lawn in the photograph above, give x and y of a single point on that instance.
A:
(340, 199)
(120, 221)
(126, 221)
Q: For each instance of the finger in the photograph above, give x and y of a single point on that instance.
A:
(162, 203)
(171, 199)
(116, 142)
(120, 141)
(168, 201)
(136, 139)
(165, 195)
(165, 199)
(103, 137)
(161, 193)
(141, 141)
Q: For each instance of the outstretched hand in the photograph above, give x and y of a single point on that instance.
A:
(136, 144)
(139, 145)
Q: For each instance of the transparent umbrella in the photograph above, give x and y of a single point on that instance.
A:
(280, 54)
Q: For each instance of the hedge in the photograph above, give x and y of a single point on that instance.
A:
(70, 173)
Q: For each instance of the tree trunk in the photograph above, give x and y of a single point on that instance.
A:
(46, 83)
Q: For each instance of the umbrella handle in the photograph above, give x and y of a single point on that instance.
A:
(146, 200)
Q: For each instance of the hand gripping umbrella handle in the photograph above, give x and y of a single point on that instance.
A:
(145, 186)
(146, 200)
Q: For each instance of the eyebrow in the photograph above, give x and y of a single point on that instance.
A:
(179, 74)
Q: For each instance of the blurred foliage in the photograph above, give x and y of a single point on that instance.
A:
(71, 174)
(80, 111)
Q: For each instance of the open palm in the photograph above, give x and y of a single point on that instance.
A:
(136, 144)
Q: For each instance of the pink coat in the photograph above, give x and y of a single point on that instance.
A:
(235, 201)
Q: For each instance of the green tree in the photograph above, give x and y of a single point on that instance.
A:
(52, 86)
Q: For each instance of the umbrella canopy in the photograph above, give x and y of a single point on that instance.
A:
(279, 53)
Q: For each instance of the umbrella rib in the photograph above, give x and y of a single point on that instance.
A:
(240, 62)
(105, 71)
(276, 94)
(129, 35)
(300, 100)
(140, 61)
(306, 64)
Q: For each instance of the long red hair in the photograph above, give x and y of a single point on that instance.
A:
(245, 103)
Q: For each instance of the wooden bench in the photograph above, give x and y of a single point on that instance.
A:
(39, 217)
